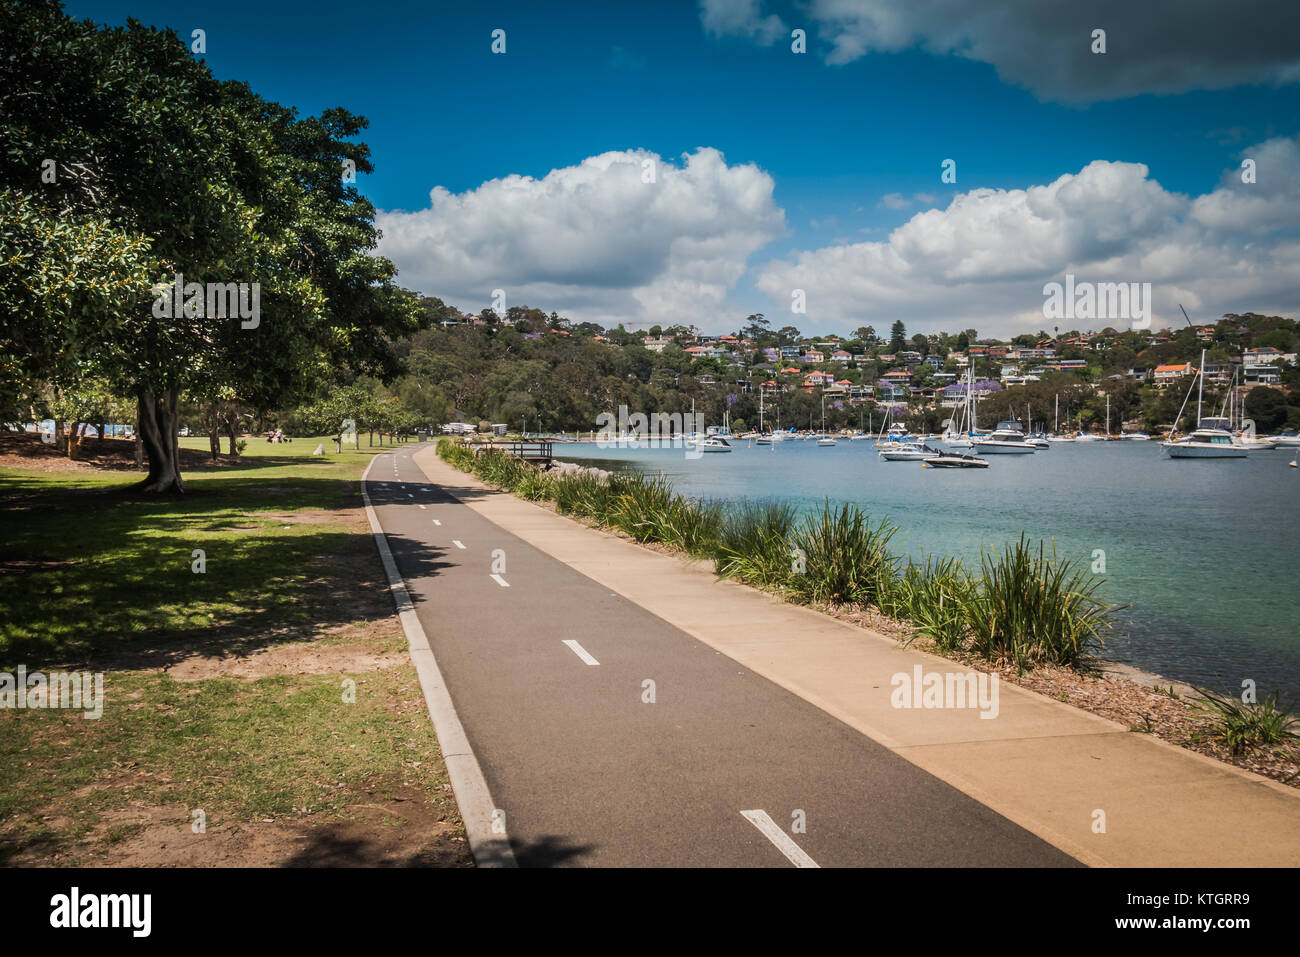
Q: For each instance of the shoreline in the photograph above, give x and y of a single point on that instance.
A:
(1163, 627)
(1116, 691)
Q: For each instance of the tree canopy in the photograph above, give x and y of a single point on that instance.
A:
(128, 165)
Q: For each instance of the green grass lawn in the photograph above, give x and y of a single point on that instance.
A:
(92, 570)
(94, 577)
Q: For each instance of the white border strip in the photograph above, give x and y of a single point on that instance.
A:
(793, 852)
(490, 849)
(580, 651)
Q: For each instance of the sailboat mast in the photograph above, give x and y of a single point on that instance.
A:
(1200, 392)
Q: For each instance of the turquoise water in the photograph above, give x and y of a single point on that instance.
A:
(1205, 552)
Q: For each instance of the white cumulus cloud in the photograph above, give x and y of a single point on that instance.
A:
(594, 241)
(983, 260)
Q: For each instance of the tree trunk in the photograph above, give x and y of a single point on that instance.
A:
(232, 431)
(214, 432)
(157, 430)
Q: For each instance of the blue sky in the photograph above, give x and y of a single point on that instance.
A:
(835, 138)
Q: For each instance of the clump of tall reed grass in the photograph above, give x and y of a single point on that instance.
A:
(755, 544)
(1030, 606)
(576, 494)
(935, 599)
(842, 558)
(647, 509)
(1243, 726)
(455, 455)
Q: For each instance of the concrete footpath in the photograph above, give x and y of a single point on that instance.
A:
(1088, 786)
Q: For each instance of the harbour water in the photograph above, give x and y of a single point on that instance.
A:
(1205, 552)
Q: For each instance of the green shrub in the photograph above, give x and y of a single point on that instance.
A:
(754, 543)
(846, 559)
(644, 507)
(1244, 726)
(455, 455)
(1031, 607)
(536, 486)
(695, 527)
(935, 599)
(583, 494)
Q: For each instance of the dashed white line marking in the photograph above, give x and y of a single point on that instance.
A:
(581, 652)
(457, 543)
(767, 827)
(435, 521)
(421, 506)
(500, 581)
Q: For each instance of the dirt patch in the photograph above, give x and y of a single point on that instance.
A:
(399, 829)
(25, 450)
(307, 658)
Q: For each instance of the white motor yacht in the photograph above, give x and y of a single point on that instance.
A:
(1211, 438)
(906, 453)
(1003, 442)
(713, 443)
(1206, 444)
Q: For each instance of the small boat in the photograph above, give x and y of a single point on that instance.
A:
(713, 443)
(1134, 437)
(1211, 438)
(954, 460)
(1206, 444)
(824, 440)
(1289, 438)
(1002, 441)
(907, 453)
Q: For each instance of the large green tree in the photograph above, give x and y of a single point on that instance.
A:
(127, 164)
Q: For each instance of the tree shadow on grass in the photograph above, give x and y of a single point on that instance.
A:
(93, 577)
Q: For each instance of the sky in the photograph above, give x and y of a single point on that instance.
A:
(685, 162)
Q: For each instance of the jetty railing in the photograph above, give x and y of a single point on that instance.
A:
(537, 451)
